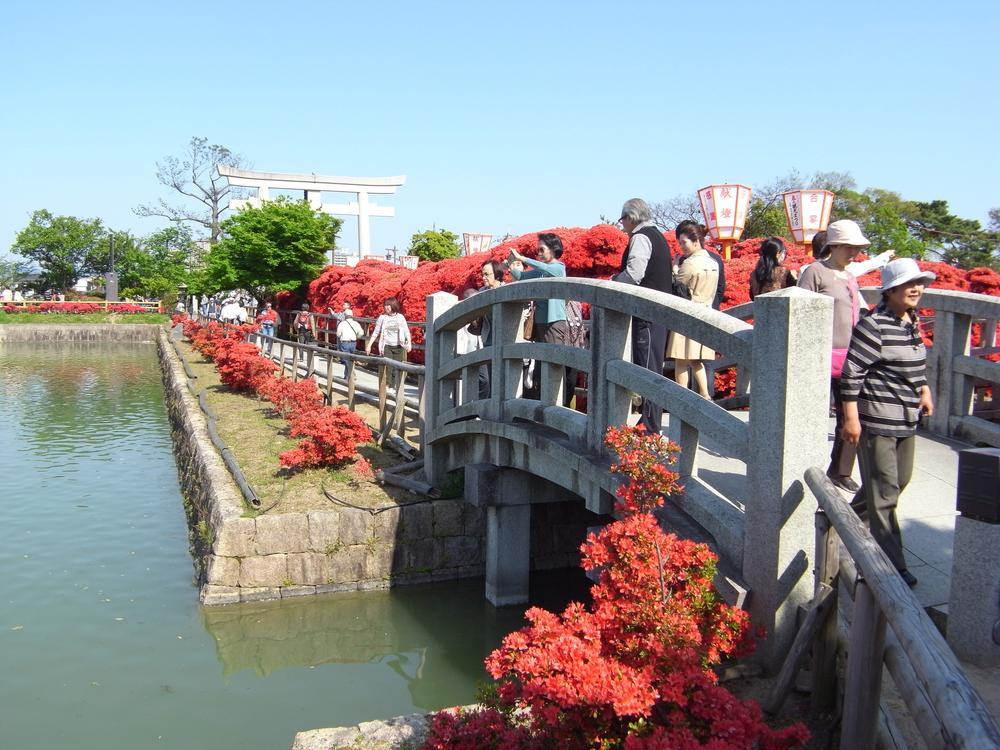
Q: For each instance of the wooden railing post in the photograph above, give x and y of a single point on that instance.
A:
(863, 683)
(824, 655)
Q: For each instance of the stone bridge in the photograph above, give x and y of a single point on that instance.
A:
(519, 452)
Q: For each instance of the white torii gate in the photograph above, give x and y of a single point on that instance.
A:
(312, 187)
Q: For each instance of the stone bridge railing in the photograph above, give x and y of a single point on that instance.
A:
(956, 370)
(785, 355)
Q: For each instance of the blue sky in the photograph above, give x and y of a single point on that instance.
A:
(504, 117)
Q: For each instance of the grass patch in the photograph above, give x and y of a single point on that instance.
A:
(81, 319)
(257, 435)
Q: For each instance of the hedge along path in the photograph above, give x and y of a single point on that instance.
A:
(256, 435)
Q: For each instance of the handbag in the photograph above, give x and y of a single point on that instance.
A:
(680, 289)
(529, 324)
(837, 362)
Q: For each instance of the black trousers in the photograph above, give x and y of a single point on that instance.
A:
(649, 341)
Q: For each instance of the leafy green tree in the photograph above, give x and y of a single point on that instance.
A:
(195, 176)
(64, 246)
(435, 244)
(960, 242)
(280, 246)
(12, 271)
(155, 265)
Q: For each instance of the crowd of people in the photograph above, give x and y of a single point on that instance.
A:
(879, 390)
(878, 383)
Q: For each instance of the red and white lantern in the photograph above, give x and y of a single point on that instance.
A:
(808, 212)
(476, 243)
(725, 209)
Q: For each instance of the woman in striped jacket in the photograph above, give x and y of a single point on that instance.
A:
(885, 392)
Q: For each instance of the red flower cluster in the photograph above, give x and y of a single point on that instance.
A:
(591, 253)
(75, 308)
(331, 433)
(634, 669)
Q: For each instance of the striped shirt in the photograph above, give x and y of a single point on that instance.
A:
(885, 371)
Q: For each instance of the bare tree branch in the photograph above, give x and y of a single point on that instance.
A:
(194, 177)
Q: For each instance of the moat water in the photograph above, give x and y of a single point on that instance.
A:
(103, 645)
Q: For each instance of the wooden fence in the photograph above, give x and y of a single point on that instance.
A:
(396, 412)
(946, 708)
(153, 307)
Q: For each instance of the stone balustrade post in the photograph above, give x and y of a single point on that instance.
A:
(789, 419)
(607, 403)
(952, 391)
(438, 394)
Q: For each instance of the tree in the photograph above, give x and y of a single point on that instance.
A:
(64, 246)
(155, 265)
(12, 270)
(959, 242)
(435, 244)
(195, 175)
(280, 246)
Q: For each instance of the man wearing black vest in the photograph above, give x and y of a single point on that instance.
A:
(646, 263)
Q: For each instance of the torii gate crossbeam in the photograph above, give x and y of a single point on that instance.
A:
(312, 187)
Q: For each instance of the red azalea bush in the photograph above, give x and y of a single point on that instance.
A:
(241, 367)
(75, 308)
(291, 397)
(633, 670)
(590, 253)
(332, 435)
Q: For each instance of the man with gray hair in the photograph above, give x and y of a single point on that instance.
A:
(646, 262)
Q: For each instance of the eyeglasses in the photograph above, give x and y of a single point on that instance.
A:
(621, 219)
(913, 331)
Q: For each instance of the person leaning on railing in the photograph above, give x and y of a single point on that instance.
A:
(885, 392)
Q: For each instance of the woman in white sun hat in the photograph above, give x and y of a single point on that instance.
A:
(831, 277)
(885, 392)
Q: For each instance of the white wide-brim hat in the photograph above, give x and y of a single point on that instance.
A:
(902, 271)
(846, 232)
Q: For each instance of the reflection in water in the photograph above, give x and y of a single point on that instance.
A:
(433, 637)
(100, 625)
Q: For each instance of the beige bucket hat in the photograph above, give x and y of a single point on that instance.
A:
(846, 232)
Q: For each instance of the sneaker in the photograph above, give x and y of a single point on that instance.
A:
(908, 578)
(846, 483)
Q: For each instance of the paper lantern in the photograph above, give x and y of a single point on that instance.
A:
(808, 212)
(725, 209)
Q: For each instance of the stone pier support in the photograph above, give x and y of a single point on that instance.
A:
(508, 554)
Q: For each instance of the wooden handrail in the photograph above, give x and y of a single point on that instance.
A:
(964, 720)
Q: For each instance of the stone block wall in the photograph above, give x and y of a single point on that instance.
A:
(342, 549)
(133, 333)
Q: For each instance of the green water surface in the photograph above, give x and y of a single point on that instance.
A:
(103, 645)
